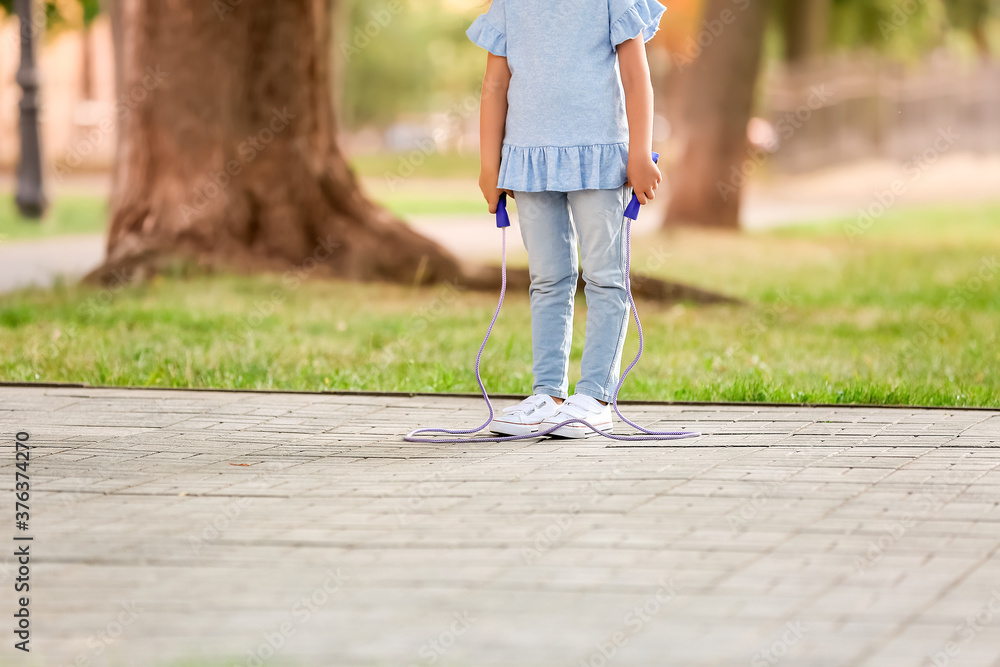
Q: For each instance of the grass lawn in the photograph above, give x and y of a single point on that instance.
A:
(69, 214)
(439, 187)
(404, 166)
(907, 313)
(427, 198)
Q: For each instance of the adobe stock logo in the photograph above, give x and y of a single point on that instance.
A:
(969, 629)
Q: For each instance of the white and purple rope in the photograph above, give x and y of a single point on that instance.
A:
(646, 434)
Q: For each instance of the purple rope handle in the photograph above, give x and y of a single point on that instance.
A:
(646, 433)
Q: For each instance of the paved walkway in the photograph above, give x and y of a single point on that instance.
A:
(299, 529)
(41, 262)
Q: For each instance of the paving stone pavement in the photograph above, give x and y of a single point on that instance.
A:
(218, 528)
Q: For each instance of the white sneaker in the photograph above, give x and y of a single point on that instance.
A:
(580, 406)
(524, 417)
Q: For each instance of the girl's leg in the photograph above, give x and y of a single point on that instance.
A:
(599, 219)
(551, 242)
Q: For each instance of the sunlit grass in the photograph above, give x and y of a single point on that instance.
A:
(69, 214)
(427, 191)
(908, 314)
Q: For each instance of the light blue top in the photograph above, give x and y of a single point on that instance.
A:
(566, 124)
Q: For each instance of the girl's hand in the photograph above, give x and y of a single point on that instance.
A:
(643, 176)
(488, 185)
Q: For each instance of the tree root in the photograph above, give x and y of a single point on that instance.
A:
(645, 287)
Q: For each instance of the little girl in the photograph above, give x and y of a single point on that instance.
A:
(566, 129)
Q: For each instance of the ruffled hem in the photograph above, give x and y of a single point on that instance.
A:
(563, 168)
(486, 36)
(639, 19)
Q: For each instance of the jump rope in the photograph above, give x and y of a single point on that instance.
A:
(503, 222)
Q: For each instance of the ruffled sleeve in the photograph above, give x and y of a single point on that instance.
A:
(489, 31)
(632, 18)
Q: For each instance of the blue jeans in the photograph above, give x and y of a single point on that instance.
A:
(550, 224)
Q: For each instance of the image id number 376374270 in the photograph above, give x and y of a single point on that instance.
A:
(22, 541)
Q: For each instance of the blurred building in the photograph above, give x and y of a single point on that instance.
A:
(75, 112)
(856, 107)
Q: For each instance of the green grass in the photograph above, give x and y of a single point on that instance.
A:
(83, 214)
(408, 205)
(444, 185)
(423, 192)
(908, 313)
(69, 214)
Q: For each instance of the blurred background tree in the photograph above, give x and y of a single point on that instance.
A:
(232, 159)
(805, 28)
(721, 91)
(418, 61)
(972, 16)
(424, 66)
(718, 98)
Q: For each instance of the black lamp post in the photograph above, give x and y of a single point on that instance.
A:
(30, 192)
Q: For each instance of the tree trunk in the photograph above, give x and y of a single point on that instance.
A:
(805, 24)
(980, 38)
(706, 184)
(86, 64)
(229, 156)
(227, 153)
